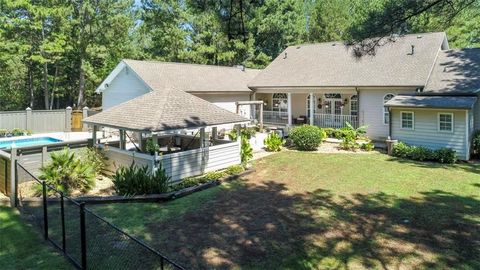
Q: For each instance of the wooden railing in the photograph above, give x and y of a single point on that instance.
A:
(275, 117)
(335, 121)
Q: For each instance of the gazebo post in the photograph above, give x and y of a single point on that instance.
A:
(140, 140)
(94, 135)
(202, 137)
(122, 139)
(214, 133)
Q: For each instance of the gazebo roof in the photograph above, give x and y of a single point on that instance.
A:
(163, 111)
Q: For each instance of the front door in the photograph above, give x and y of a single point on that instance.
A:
(333, 109)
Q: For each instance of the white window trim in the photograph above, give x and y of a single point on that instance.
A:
(356, 100)
(314, 104)
(438, 122)
(413, 120)
(384, 108)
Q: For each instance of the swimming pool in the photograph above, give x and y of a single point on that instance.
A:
(7, 144)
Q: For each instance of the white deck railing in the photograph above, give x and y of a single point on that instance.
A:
(335, 121)
(275, 117)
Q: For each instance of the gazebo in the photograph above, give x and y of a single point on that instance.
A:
(176, 122)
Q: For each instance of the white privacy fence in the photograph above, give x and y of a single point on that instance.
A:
(40, 121)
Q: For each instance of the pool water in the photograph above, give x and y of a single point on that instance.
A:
(7, 144)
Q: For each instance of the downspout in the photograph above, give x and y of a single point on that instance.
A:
(390, 122)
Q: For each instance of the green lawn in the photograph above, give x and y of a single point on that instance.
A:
(321, 211)
(23, 248)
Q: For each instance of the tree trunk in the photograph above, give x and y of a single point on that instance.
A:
(54, 88)
(46, 94)
(81, 86)
(30, 84)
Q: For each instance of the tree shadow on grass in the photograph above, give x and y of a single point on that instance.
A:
(263, 226)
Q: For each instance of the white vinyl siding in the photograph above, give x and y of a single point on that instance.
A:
(124, 87)
(426, 130)
(371, 111)
(225, 101)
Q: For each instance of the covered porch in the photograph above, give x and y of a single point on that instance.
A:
(326, 109)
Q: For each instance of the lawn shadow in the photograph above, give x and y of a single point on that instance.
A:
(264, 226)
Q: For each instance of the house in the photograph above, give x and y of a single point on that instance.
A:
(222, 86)
(402, 92)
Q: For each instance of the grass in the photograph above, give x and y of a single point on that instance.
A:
(321, 211)
(23, 248)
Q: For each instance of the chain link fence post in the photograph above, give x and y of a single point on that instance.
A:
(83, 236)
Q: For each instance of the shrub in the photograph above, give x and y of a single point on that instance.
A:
(235, 169)
(135, 180)
(349, 141)
(443, 155)
(3, 132)
(214, 176)
(446, 155)
(151, 146)
(66, 172)
(96, 158)
(273, 142)
(367, 146)
(306, 137)
(244, 132)
(329, 132)
(17, 132)
(401, 150)
(475, 142)
(246, 151)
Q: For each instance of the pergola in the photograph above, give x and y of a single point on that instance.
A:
(163, 112)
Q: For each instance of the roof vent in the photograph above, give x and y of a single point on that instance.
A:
(285, 56)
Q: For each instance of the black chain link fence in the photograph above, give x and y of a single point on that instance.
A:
(88, 240)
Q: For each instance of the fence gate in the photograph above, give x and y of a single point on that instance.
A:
(77, 117)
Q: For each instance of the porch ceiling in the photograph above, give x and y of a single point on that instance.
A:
(308, 90)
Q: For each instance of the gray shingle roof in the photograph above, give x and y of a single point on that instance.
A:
(441, 102)
(192, 77)
(455, 71)
(332, 64)
(162, 111)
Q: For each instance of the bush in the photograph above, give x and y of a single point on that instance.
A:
(349, 141)
(273, 142)
(367, 146)
(235, 169)
(3, 132)
(475, 142)
(151, 146)
(18, 132)
(214, 176)
(446, 155)
(96, 158)
(135, 180)
(306, 137)
(246, 151)
(329, 132)
(244, 132)
(443, 155)
(66, 172)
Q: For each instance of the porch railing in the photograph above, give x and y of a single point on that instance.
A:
(275, 117)
(335, 121)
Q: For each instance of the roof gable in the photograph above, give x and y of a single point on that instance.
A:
(333, 65)
(162, 111)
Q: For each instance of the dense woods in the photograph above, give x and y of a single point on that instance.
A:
(53, 53)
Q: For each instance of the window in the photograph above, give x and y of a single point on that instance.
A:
(407, 120)
(279, 102)
(354, 105)
(445, 122)
(308, 104)
(386, 113)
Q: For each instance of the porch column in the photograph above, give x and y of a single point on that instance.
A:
(312, 102)
(289, 108)
(94, 135)
(261, 117)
